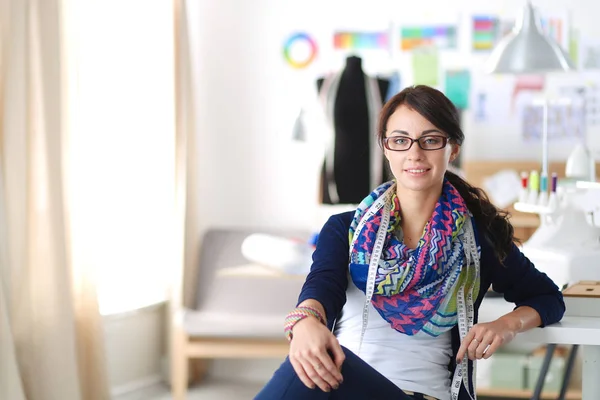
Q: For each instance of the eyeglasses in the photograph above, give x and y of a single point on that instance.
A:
(404, 143)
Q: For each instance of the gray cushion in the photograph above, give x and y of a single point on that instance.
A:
(239, 306)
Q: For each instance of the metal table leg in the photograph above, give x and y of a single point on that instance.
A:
(568, 370)
(539, 386)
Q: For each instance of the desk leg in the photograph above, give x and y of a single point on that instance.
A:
(591, 372)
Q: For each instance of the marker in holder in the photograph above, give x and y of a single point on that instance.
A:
(543, 196)
(524, 194)
(534, 187)
(553, 199)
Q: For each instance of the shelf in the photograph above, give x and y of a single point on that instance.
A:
(587, 185)
(525, 394)
(532, 208)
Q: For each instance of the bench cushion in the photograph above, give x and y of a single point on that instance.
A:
(232, 304)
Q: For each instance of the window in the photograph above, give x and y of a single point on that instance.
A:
(121, 147)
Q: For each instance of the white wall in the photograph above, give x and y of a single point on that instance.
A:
(135, 348)
(249, 171)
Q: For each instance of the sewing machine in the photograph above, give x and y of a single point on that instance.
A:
(566, 246)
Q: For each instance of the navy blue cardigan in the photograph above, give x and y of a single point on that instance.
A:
(518, 280)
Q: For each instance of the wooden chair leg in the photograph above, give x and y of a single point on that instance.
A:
(179, 365)
(179, 377)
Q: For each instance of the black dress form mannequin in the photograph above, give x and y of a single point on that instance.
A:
(352, 162)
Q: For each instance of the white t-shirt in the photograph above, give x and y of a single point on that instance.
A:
(415, 363)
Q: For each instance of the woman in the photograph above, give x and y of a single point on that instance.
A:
(400, 280)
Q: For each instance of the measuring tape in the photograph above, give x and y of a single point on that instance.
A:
(466, 308)
(466, 314)
(384, 201)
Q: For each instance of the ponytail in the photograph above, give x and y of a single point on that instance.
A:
(493, 220)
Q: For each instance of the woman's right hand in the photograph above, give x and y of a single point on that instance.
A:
(310, 351)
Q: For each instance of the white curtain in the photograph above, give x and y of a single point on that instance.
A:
(186, 187)
(184, 278)
(51, 345)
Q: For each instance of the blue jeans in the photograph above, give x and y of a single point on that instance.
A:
(361, 382)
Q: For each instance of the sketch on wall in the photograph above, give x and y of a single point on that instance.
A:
(566, 122)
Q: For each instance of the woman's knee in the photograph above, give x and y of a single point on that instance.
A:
(283, 384)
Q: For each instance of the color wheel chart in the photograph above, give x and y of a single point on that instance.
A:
(440, 37)
(300, 50)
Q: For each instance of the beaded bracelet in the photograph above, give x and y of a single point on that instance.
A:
(298, 314)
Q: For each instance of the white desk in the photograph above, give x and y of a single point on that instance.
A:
(584, 331)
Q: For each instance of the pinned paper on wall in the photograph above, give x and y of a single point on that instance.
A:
(360, 40)
(566, 121)
(486, 32)
(425, 68)
(457, 87)
(439, 37)
(589, 53)
(525, 86)
(555, 25)
(592, 103)
(574, 47)
(490, 98)
(587, 93)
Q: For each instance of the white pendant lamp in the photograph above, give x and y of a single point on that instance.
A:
(527, 49)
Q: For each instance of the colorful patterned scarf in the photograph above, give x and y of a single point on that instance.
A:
(415, 290)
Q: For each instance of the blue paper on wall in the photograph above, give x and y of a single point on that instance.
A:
(457, 87)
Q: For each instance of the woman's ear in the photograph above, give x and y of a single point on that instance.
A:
(455, 152)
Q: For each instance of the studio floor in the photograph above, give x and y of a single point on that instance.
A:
(211, 389)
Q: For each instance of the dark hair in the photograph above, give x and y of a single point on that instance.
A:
(434, 106)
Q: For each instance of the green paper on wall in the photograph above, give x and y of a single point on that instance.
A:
(426, 67)
(458, 84)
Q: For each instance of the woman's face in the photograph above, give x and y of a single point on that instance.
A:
(416, 169)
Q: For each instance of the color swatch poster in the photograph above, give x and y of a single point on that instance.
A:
(360, 41)
(439, 37)
(555, 28)
(486, 31)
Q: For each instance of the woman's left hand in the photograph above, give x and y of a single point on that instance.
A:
(484, 339)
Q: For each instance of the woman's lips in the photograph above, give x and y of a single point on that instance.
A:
(417, 171)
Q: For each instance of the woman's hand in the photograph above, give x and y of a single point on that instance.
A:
(484, 339)
(310, 351)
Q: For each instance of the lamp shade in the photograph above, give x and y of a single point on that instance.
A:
(527, 49)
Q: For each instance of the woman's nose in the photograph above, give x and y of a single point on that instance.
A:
(415, 152)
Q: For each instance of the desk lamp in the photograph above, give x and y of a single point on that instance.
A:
(527, 50)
